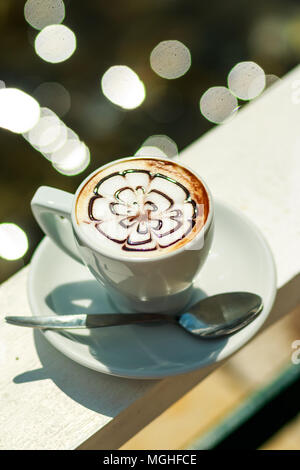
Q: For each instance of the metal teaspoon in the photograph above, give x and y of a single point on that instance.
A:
(212, 317)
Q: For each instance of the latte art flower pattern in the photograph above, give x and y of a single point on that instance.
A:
(142, 211)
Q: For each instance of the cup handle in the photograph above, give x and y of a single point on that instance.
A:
(52, 209)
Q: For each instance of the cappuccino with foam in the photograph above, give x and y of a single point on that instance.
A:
(142, 207)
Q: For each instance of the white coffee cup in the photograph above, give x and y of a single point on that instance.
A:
(161, 283)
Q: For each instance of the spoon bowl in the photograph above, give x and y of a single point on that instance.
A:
(221, 314)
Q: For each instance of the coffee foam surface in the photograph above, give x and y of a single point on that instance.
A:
(142, 207)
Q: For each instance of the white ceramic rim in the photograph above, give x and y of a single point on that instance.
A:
(82, 236)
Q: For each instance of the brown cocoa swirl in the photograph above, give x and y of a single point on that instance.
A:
(144, 206)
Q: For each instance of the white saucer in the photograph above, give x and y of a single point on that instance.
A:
(239, 260)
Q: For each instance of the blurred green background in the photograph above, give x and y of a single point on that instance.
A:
(218, 35)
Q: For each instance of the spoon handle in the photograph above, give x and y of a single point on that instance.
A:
(87, 320)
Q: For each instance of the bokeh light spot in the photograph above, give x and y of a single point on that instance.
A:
(72, 158)
(122, 86)
(158, 146)
(13, 241)
(57, 143)
(49, 134)
(41, 13)
(246, 80)
(45, 131)
(218, 104)
(19, 112)
(55, 43)
(170, 59)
